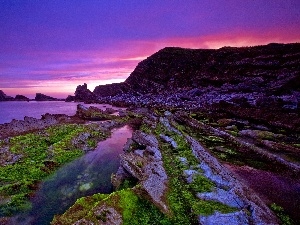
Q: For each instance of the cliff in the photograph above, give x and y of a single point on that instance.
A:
(4, 97)
(273, 68)
(268, 73)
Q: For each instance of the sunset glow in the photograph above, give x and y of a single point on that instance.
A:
(52, 47)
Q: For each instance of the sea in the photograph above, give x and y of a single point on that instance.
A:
(19, 109)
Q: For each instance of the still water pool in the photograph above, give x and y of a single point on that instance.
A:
(87, 175)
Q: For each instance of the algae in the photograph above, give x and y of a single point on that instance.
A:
(42, 153)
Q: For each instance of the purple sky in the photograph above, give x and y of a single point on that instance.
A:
(53, 46)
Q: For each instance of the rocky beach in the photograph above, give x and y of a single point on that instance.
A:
(216, 140)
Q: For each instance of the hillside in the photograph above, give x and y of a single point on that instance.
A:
(269, 69)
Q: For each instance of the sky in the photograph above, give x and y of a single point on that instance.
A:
(51, 46)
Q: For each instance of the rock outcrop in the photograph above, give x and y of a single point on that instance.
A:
(21, 98)
(42, 97)
(272, 68)
(4, 97)
(110, 89)
(83, 94)
(257, 76)
(145, 164)
(16, 127)
(92, 113)
(70, 98)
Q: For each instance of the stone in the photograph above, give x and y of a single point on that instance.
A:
(235, 218)
(144, 139)
(70, 98)
(21, 98)
(147, 167)
(91, 113)
(42, 97)
(107, 215)
(169, 140)
(4, 97)
(83, 94)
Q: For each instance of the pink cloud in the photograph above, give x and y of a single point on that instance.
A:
(60, 72)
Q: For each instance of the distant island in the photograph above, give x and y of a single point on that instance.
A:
(38, 97)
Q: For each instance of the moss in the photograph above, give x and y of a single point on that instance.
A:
(285, 219)
(202, 207)
(128, 183)
(297, 145)
(133, 209)
(211, 138)
(181, 196)
(184, 204)
(201, 184)
(42, 153)
(17, 202)
(79, 210)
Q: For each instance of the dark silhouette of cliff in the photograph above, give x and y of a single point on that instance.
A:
(272, 68)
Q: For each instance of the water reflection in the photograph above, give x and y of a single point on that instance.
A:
(85, 176)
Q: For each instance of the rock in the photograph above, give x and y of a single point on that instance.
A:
(144, 139)
(109, 89)
(91, 113)
(16, 127)
(70, 98)
(42, 97)
(122, 113)
(259, 134)
(248, 76)
(83, 94)
(4, 97)
(225, 122)
(231, 192)
(169, 140)
(118, 178)
(235, 218)
(147, 167)
(21, 98)
(110, 110)
(7, 157)
(83, 222)
(107, 215)
(85, 187)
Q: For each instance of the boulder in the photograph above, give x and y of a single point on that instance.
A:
(91, 113)
(83, 94)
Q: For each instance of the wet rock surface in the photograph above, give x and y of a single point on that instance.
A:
(147, 167)
(16, 127)
(93, 113)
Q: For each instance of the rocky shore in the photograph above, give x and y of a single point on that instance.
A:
(187, 165)
(216, 140)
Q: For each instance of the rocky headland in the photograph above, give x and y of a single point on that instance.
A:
(260, 77)
(38, 97)
(42, 97)
(4, 97)
(216, 140)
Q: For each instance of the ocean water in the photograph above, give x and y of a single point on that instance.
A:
(19, 109)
